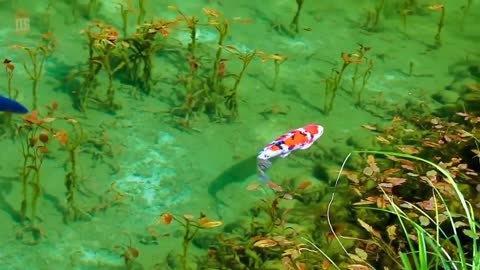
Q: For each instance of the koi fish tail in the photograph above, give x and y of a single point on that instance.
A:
(263, 164)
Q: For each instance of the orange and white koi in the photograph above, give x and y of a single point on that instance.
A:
(300, 138)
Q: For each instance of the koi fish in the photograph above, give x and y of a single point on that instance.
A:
(10, 105)
(300, 138)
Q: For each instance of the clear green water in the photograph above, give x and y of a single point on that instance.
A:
(160, 167)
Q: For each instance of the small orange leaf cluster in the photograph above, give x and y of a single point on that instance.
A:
(102, 32)
(202, 222)
(9, 67)
(61, 136)
(32, 119)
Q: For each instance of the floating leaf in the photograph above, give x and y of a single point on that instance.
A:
(428, 204)
(424, 221)
(211, 12)
(206, 223)
(431, 144)
(408, 167)
(369, 127)
(265, 243)
(369, 228)
(391, 171)
(368, 171)
(188, 217)
(48, 119)
(357, 267)
(352, 176)
(382, 140)
(274, 186)
(253, 186)
(408, 149)
(395, 181)
(459, 224)
(372, 163)
(470, 234)
(361, 253)
(392, 232)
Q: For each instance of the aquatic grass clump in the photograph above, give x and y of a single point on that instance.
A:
(207, 86)
(136, 51)
(430, 242)
(433, 248)
(101, 41)
(270, 235)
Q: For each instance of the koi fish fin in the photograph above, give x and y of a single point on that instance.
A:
(284, 155)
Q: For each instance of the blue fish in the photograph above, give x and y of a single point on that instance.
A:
(10, 105)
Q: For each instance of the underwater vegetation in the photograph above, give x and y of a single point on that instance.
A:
(407, 198)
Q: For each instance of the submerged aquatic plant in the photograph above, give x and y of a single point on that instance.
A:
(246, 58)
(332, 83)
(9, 68)
(34, 69)
(222, 25)
(367, 71)
(137, 51)
(278, 60)
(191, 226)
(441, 23)
(71, 143)
(35, 134)
(12, 93)
(430, 243)
(125, 9)
(129, 253)
(373, 17)
(294, 25)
